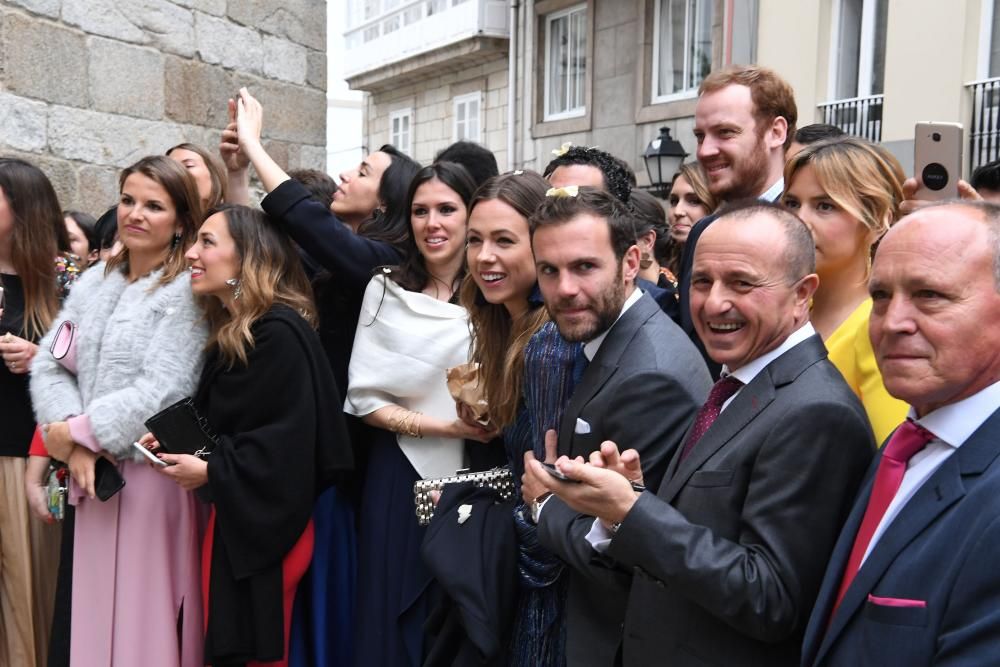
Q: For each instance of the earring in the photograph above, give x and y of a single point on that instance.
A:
(237, 286)
(176, 242)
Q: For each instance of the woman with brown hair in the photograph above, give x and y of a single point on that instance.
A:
(848, 193)
(526, 372)
(138, 339)
(269, 396)
(690, 201)
(33, 279)
(207, 171)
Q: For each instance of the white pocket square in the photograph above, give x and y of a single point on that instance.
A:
(582, 427)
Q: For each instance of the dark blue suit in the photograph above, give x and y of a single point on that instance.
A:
(941, 550)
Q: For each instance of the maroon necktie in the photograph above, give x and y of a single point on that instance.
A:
(721, 392)
(906, 441)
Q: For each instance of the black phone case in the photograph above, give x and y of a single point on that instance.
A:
(107, 480)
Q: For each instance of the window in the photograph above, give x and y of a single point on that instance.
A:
(400, 132)
(991, 20)
(859, 45)
(741, 30)
(565, 63)
(467, 117)
(682, 47)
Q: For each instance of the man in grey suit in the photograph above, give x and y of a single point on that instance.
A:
(643, 384)
(726, 559)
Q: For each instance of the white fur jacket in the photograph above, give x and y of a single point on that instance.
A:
(139, 348)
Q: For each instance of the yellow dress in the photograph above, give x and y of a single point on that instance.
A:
(851, 352)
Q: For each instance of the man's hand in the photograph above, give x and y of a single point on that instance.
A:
(532, 486)
(911, 185)
(626, 463)
(598, 492)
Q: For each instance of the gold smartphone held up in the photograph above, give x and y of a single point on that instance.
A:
(937, 159)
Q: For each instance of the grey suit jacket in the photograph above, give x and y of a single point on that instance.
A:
(728, 556)
(642, 389)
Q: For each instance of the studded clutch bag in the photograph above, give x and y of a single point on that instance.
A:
(498, 479)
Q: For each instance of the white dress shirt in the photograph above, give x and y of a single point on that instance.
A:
(773, 192)
(951, 425)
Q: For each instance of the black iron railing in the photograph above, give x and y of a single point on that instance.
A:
(860, 116)
(984, 132)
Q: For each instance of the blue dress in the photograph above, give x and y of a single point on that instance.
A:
(552, 368)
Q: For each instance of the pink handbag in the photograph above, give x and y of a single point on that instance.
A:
(63, 347)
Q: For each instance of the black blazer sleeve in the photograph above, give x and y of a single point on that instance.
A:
(349, 257)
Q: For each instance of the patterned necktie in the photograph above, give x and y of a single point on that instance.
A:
(906, 441)
(721, 392)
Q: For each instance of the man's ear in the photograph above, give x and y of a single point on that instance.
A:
(804, 291)
(778, 131)
(630, 264)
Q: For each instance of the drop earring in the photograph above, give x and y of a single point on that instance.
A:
(176, 242)
(237, 286)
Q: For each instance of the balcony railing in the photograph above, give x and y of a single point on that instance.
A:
(984, 131)
(860, 116)
(401, 29)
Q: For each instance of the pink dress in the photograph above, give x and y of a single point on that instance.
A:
(126, 592)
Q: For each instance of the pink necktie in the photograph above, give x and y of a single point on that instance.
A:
(721, 392)
(906, 441)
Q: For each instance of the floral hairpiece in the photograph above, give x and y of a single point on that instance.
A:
(567, 191)
(562, 150)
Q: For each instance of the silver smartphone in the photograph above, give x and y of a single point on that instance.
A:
(937, 159)
(149, 456)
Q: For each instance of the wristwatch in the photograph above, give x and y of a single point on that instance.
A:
(536, 506)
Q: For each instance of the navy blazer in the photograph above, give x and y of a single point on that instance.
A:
(929, 592)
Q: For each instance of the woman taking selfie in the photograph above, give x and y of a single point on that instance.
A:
(33, 279)
(138, 347)
(848, 192)
(268, 395)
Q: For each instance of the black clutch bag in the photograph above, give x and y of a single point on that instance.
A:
(181, 430)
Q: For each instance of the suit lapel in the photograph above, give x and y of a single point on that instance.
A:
(752, 400)
(604, 365)
(943, 489)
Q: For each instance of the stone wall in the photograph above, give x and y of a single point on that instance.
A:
(89, 86)
(432, 101)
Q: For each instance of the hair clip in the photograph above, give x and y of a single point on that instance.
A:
(567, 191)
(559, 152)
(518, 172)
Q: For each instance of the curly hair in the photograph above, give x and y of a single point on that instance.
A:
(618, 176)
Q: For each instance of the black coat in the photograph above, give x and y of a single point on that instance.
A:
(282, 441)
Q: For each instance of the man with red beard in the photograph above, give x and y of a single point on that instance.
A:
(744, 121)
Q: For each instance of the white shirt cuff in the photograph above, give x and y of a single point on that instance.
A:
(599, 537)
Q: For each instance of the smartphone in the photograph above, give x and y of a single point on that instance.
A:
(107, 479)
(937, 159)
(149, 456)
(552, 470)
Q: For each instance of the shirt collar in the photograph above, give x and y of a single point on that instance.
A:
(773, 192)
(750, 370)
(955, 423)
(591, 347)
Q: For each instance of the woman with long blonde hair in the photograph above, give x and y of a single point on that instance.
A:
(848, 193)
(269, 396)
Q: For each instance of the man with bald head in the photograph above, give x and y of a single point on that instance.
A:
(727, 556)
(913, 578)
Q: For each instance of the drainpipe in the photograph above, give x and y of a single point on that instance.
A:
(511, 87)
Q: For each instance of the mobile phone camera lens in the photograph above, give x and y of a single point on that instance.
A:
(936, 136)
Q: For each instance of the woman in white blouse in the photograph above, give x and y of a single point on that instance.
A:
(411, 330)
